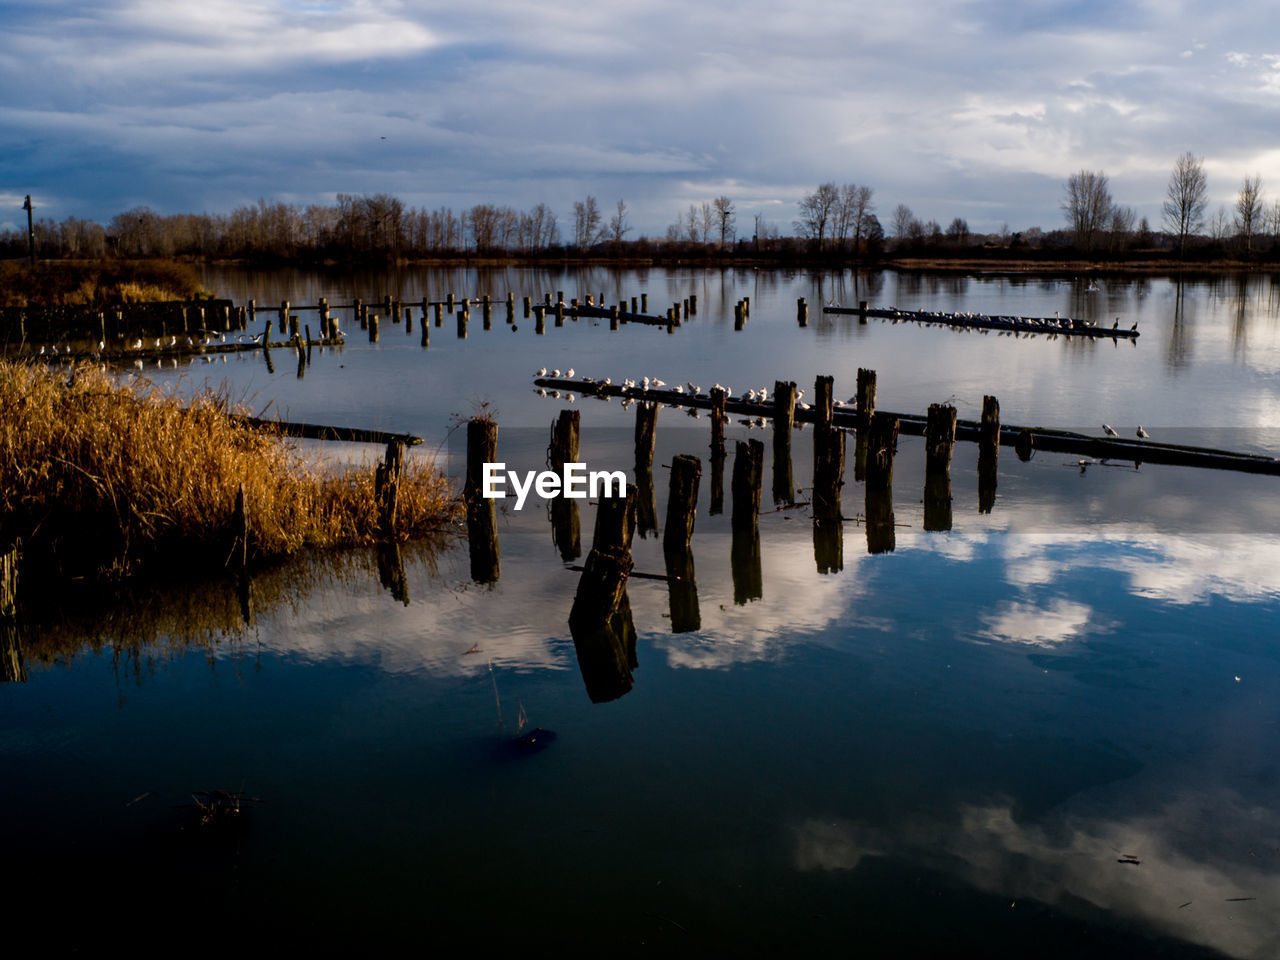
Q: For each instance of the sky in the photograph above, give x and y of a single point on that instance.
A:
(977, 110)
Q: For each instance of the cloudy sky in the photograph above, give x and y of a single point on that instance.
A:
(975, 109)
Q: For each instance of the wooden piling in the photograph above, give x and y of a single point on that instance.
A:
(802, 312)
(738, 316)
(408, 320)
(693, 304)
(13, 669)
(391, 570)
(284, 316)
(252, 307)
(746, 306)
(462, 324)
(239, 555)
(559, 313)
(486, 310)
(682, 587)
(823, 400)
(600, 622)
(566, 528)
(449, 302)
(359, 314)
(373, 328)
(425, 338)
(988, 454)
(511, 307)
(645, 435)
(717, 421)
(644, 303)
(615, 521)
(613, 318)
(325, 330)
(717, 483)
(882, 443)
(482, 528)
(564, 440)
(528, 306)
(1025, 446)
(439, 309)
(784, 413)
(540, 321)
(386, 487)
(307, 327)
(682, 500)
(865, 398)
(881, 532)
(862, 311)
(646, 503)
(748, 477)
(939, 437)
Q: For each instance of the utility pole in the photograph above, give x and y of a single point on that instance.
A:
(31, 233)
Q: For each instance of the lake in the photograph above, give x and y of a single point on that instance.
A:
(1048, 730)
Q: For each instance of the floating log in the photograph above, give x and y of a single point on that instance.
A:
(1065, 326)
(682, 501)
(315, 431)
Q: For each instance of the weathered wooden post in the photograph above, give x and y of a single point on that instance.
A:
(823, 400)
(613, 318)
(635, 304)
(528, 306)
(940, 435)
(988, 454)
(439, 309)
(559, 313)
(425, 338)
(408, 320)
(308, 331)
(293, 324)
(511, 307)
(486, 310)
(862, 311)
(566, 528)
(693, 304)
(865, 398)
(388, 307)
(482, 524)
(391, 570)
(325, 331)
(717, 420)
(645, 436)
(882, 439)
(559, 296)
(540, 320)
(802, 312)
(564, 440)
(646, 503)
(426, 310)
(449, 303)
(748, 477)
(301, 353)
(682, 502)
(253, 311)
(738, 316)
(284, 316)
(1025, 446)
(386, 485)
(644, 303)
(462, 324)
(361, 317)
(784, 414)
(373, 328)
(717, 483)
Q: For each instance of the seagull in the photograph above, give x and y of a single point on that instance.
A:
(644, 383)
(1109, 430)
(542, 372)
(1142, 434)
(568, 374)
(555, 373)
(657, 383)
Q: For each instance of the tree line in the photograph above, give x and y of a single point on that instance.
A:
(834, 221)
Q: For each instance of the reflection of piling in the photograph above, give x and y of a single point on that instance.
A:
(564, 440)
(988, 454)
(784, 413)
(828, 484)
(391, 570)
(748, 472)
(745, 564)
(717, 421)
(882, 439)
(682, 501)
(9, 581)
(646, 435)
(13, 669)
(603, 632)
(482, 519)
(646, 503)
(939, 439)
(682, 587)
(239, 554)
(439, 311)
(1025, 446)
(717, 483)
(566, 528)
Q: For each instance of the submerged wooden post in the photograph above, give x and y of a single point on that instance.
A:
(802, 312)
(748, 477)
(717, 421)
(387, 487)
(482, 523)
(682, 501)
(988, 454)
(646, 435)
(866, 396)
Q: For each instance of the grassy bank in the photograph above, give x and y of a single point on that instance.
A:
(101, 478)
(96, 283)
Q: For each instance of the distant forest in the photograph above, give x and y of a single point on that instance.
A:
(835, 223)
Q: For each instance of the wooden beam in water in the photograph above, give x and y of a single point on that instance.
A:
(1064, 326)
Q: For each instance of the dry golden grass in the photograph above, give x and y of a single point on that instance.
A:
(95, 283)
(98, 477)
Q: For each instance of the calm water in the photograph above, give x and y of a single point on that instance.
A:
(964, 742)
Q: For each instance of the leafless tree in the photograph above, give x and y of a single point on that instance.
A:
(1249, 209)
(618, 223)
(853, 209)
(1087, 204)
(902, 217)
(1186, 198)
(958, 231)
(586, 222)
(726, 217)
(816, 212)
(1121, 226)
(1220, 226)
(693, 224)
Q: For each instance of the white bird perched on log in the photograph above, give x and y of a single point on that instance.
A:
(1109, 430)
(658, 383)
(568, 374)
(1142, 434)
(541, 372)
(555, 373)
(644, 383)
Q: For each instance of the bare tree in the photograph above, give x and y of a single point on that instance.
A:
(1249, 207)
(958, 232)
(618, 223)
(1121, 226)
(1087, 204)
(902, 217)
(857, 201)
(1220, 226)
(816, 212)
(725, 216)
(1185, 198)
(586, 222)
(693, 224)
